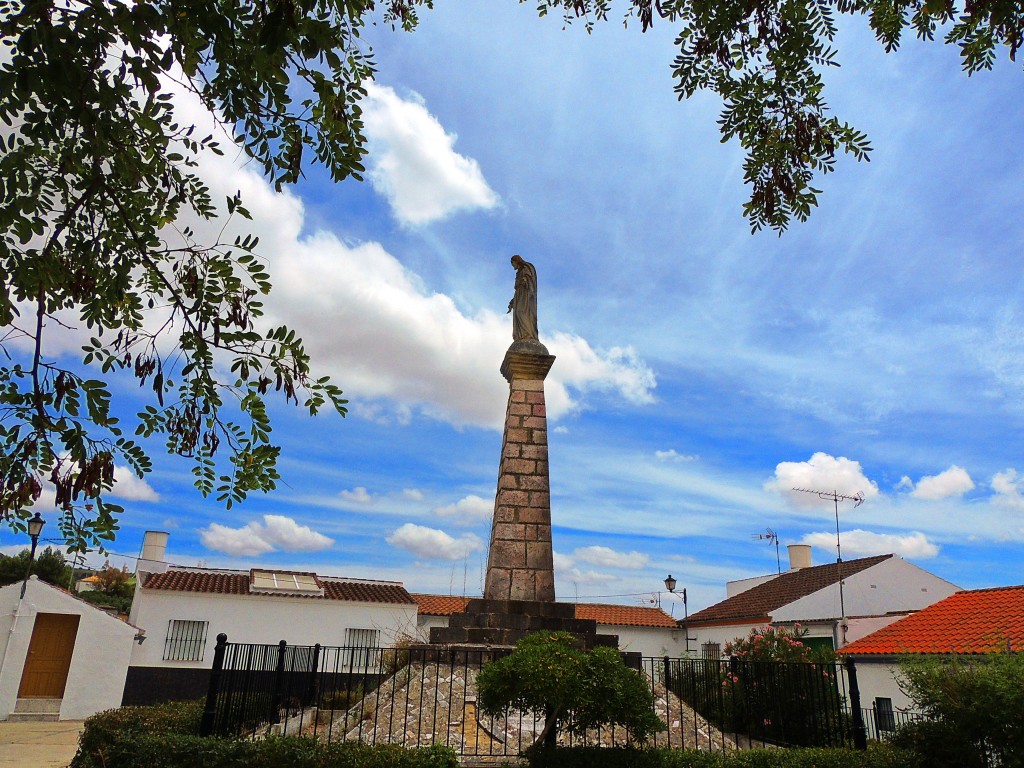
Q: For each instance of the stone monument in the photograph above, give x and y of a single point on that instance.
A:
(519, 590)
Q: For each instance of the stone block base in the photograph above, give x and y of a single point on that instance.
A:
(504, 622)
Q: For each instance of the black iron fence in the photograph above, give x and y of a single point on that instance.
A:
(423, 695)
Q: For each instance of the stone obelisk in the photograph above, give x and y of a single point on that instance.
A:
(519, 591)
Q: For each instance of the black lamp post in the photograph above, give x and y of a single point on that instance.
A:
(670, 585)
(35, 527)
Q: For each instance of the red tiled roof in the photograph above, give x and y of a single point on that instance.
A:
(758, 602)
(618, 615)
(977, 621)
(238, 584)
(625, 615)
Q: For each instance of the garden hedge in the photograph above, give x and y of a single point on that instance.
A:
(166, 736)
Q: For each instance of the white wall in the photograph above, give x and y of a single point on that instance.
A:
(880, 679)
(260, 619)
(892, 585)
(99, 663)
(650, 641)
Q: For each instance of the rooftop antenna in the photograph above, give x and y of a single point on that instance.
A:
(771, 536)
(835, 497)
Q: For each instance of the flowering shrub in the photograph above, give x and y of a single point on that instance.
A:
(776, 644)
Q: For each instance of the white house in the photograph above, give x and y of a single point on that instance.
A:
(974, 622)
(873, 592)
(60, 657)
(645, 630)
(182, 610)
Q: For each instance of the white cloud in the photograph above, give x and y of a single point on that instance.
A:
(672, 455)
(412, 494)
(953, 482)
(1007, 490)
(562, 562)
(274, 533)
(610, 558)
(905, 483)
(357, 495)
(467, 510)
(820, 472)
(561, 430)
(413, 162)
(127, 485)
(434, 544)
(860, 543)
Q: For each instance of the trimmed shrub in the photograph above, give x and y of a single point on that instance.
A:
(879, 756)
(166, 736)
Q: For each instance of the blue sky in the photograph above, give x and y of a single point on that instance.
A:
(701, 372)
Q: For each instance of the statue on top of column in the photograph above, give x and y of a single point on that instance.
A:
(523, 305)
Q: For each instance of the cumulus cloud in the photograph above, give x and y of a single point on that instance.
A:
(358, 495)
(128, 486)
(860, 543)
(607, 557)
(276, 532)
(470, 509)
(821, 472)
(672, 455)
(434, 544)
(953, 482)
(413, 162)
(567, 570)
(1007, 490)
(412, 494)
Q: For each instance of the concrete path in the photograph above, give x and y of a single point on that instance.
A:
(38, 745)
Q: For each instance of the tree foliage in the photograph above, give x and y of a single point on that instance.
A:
(972, 706)
(49, 565)
(765, 59)
(550, 676)
(776, 644)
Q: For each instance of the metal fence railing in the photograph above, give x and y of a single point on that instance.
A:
(426, 695)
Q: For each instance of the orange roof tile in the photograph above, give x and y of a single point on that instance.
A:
(976, 621)
(220, 583)
(618, 615)
(758, 602)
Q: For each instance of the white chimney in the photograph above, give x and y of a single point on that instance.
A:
(799, 556)
(154, 547)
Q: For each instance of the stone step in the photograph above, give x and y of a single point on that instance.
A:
(33, 717)
(37, 706)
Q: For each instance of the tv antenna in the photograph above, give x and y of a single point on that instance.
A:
(835, 497)
(771, 536)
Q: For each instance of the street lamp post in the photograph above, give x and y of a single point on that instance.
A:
(670, 585)
(35, 527)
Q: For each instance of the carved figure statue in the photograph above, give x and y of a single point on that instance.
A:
(523, 305)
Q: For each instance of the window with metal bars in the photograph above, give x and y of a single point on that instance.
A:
(186, 640)
(711, 651)
(360, 646)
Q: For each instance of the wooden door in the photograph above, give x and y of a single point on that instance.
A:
(49, 656)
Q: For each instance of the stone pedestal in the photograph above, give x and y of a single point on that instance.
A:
(519, 564)
(519, 591)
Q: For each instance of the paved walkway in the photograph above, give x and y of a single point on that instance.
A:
(38, 745)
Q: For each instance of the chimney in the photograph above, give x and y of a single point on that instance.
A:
(799, 556)
(154, 547)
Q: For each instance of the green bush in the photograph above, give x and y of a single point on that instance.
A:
(973, 707)
(879, 756)
(166, 736)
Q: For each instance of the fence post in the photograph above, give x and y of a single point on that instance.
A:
(313, 692)
(278, 697)
(860, 733)
(210, 711)
(668, 674)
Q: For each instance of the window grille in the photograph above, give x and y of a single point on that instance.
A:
(186, 640)
(711, 651)
(885, 718)
(361, 644)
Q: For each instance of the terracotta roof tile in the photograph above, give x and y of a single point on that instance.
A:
(238, 584)
(977, 621)
(619, 615)
(758, 602)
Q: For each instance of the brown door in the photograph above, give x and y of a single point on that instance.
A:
(49, 656)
